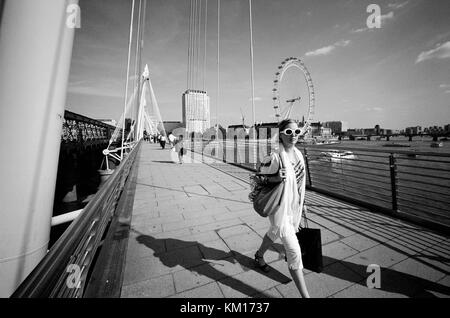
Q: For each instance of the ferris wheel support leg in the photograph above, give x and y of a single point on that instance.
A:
(30, 167)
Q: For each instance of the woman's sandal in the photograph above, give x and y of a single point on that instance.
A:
(265, 268)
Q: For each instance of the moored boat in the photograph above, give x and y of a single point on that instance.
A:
(437, 144)
(337, 155)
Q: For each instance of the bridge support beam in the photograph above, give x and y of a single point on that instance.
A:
(35, 53)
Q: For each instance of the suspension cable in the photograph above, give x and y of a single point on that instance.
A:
(195, 43)
(252, 82)
(190, 46)
(128, 74)
(218, 69)
(200, 112)
(144, 17)
(199, 42)
(251, 62)
(135, 105)
(204, 55)
(194, 23)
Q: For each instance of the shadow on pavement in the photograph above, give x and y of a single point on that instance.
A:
(390, 280)
(159, 161)
(199, 262)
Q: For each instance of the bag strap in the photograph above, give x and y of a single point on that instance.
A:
(281, 162)
(273, 174)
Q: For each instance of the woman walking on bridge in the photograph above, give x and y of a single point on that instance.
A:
(288, 165)
(179, 148)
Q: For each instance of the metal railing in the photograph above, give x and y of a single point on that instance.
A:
(64, 271)
(79, 130)
(411, 185)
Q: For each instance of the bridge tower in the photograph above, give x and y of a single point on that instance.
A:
(33, 84)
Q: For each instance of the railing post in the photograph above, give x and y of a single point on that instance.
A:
(203, 142)
(235, 146)
(247, 150)
(307, 167)
(393, 170)
(224, 150)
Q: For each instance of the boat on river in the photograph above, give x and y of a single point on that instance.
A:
(437, 144)
(336, 155)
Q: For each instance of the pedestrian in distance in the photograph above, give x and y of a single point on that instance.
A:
(171, 138)
(162, 141)
(179, 148)
(287, 165)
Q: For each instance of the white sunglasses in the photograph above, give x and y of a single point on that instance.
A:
(289, 131)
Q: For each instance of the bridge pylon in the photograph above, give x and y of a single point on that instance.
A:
(33, 84)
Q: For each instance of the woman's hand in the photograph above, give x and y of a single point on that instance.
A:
(282, 174)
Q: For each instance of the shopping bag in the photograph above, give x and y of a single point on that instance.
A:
(310, 241)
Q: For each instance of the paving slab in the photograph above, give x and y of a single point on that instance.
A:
(360, 242)
(333, 279)
(362, 291)
(211, 290)
(153, 288)
(190, 279)
(234, 230)
(380, 255)
(288, 290)
(249, 283)
(336, 251)
(244, 243)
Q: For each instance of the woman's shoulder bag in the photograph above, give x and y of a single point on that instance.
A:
(266, 196)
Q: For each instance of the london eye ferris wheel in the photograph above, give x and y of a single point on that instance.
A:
(283, 108)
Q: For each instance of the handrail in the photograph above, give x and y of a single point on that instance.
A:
(241, 141)
(65, 218)
(74, 116)
(63, 271)
(390, 150)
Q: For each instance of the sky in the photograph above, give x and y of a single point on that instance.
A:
(395, 76)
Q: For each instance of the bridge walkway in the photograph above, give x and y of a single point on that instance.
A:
(193, 234)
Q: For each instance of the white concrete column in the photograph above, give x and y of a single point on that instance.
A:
(35, 53)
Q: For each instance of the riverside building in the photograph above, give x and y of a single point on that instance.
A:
(196, 113)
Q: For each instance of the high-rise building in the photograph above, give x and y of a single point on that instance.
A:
(196, 114)
(337, 127)
(413, 130)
